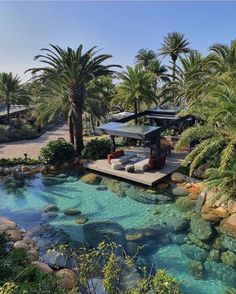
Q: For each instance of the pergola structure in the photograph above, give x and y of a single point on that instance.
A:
(159, 119)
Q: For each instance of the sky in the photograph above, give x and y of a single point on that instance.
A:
(119, 28)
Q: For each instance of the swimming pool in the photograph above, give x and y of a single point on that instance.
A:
(24, 199)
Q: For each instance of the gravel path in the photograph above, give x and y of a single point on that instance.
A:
(32, 147)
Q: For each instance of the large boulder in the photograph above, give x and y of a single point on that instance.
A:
(201, 228)
(54, 259)
(231, 206)
(13, 235)
(228, 225)
(194, 252)
(96, 232)
(67, 278)
(43, 267)
(91, 179)
(177, 177)
(6, 225)
(21, 245)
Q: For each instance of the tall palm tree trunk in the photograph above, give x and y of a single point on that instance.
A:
(136, 110)
(77, 111)
(71, 129)
(8, 114)
(77, 94)
(174, 68)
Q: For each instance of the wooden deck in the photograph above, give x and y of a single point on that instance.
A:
(149, 178)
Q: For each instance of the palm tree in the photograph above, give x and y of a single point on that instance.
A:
(174, 45)
(144, 57)
(216, 135)
(135, 89)
(74, 69)
(12, 92)
(97, 104)
(160, 72)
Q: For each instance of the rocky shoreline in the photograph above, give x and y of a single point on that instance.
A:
(18, 238)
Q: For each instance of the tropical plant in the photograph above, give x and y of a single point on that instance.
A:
(97, 104)
(159, 70)
(96, 149)
(73, 69)
(56, 152)
(145, 57)
(173, 46)
(135, 89)
(215, 136)
(12, 91)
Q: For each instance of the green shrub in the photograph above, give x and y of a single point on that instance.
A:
(96, 149)
(3, 134)
(18, 161)
(27, 132)
(57, 152)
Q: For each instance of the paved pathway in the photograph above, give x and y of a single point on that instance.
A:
(32, 147)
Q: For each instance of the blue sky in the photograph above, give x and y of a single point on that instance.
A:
(121, 28)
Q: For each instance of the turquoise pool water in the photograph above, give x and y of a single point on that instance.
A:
(25, 200)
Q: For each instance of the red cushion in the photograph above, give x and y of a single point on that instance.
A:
(115, 154)
(153, 161)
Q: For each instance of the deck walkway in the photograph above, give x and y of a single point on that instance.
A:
(149, 178)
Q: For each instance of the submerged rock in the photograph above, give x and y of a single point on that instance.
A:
(221, 272)
(178, 239)
(201, 228)
(81, 220)
(147, 198)
(229, 243)
(184, 204)
(96, 232)
(91, 179)
(101, 188)
(198, 242)
(180, 191)
(229, 258)
(195, 269)
(214, 255)
(194, 252)
(50, 207)
(72, 211)
(178, 224)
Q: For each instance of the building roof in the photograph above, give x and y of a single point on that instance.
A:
(128, 131)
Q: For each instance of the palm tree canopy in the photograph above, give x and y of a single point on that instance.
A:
(12, 91)
(72, 67)
(174, 44)
(135, 87)
(159, 70)
(144, 57)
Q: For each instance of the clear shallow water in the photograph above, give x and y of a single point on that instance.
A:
(25, 206)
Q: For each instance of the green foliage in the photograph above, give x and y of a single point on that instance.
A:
(97, 149)
(135, 92)
(160, 283)
(18, 277)
(57, 151)
(17, 161)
